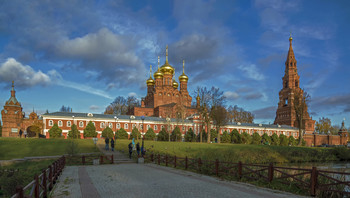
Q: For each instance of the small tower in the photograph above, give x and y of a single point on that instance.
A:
(158, 76)
(183, 78)
(343, 133)
(168, 71)
(150, 82)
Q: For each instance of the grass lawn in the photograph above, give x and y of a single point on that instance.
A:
(242, 152)
(12, 148)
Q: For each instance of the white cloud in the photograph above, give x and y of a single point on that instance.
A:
(252, 72)
(230, 95)
(24, 75)
(94, 108)
(132, 94)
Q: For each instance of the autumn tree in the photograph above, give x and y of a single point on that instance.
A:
(301, 99)
(324, 125)
(237, 114)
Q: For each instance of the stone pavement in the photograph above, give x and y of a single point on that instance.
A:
(150, 180)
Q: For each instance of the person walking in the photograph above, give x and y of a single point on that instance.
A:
(25, 134)
(138, 149)
(107, 144)
(112, 144)
(130, 150)
(20, 133)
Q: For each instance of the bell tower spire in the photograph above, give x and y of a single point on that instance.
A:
(13, 92)
(166, 54)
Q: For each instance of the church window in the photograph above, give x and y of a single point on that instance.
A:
(296, 83)
(286, 84)
(177, 95)
(110, 125)
(68, 123)
(133, 125)
(183, 128)
(81, 124)
(102, 125)
(118, 126)
(60, 123)
(155, 127)
(141, 126)
(285, 102)
(160, 94)
(50, 123)
(168, 94)
(126, 126)
(162, 126)
(148, 126)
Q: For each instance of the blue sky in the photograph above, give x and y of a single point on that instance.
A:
(83, 54)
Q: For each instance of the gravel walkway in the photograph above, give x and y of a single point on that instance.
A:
(150, 180)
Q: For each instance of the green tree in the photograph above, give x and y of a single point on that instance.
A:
(283, 140)
(176, 135)
(74, 132)
(107, 132)
(301, 99)
(150, 134)
(236, 137)
(213, 135)
(190, 136)
(292, 141)
(55, 131)
(90, 130)
(163, 135)
(226, 137)
(135, 133)
(266, 139)
(256, 138)
(121, 134)
(275, 140)
(204, 136)
(246, 138)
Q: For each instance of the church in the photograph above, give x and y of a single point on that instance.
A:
(164, 98)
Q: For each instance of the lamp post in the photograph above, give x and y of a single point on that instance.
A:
(168, 121)
(72, 127)
(115, 122)
(143, 129)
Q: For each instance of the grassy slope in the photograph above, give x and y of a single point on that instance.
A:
(239, 152)
(11, 148)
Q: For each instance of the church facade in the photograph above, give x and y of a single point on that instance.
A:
(164, 97)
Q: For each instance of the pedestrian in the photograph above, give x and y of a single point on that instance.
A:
(130, 150)
(112, 144)
(138, 149)
(20, 133)
(25, 134)
(133, 144)
(107, 144)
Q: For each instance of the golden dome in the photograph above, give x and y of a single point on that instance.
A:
(167, 68)
(175, 84)
(183, 77)
(150, 81)
(158, 74)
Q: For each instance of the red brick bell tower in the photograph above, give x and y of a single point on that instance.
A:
(285, 114)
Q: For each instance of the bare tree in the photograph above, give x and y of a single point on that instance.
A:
(120, 105)
(301, 99)
(238, 114)
(220, 118)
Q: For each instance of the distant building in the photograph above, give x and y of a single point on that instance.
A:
(163, 98)
(285, 114)
(13, 117)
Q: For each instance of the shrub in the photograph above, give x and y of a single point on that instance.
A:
(190, 136)
(236, 137)
(283, 140)
(121, 134)
(55, 131)
(292, 141)
(275, 140)
(256, 138)
(226, 138)
(163, 135)
(176, 135)
(135, 134)
(150, 134)
(213, 134)
(246, 138)
(90, 130)
(8, 184)
(74, 132)
(266, 139)
(107, 132)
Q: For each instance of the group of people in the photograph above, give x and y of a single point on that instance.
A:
(21, 132)
(132, 147)
(107, 144)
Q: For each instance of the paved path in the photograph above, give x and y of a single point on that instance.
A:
(150, 180)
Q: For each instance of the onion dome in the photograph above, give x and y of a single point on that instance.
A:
(175, 84)
(150, 81)
(183, 77)
(158, 74)
(167, 68)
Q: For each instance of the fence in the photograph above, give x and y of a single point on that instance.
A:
(312, 181)
(42, 183)
(90, 160)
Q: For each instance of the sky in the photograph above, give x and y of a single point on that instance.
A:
(85, 53)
